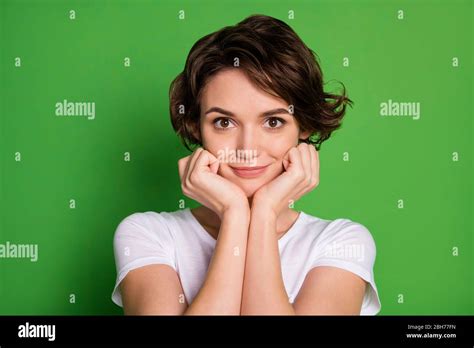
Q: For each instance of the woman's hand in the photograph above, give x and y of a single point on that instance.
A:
(301, 175)
(200, 181)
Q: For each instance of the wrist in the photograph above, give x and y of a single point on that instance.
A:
(263, 210)
(263, 206)
(238, 209)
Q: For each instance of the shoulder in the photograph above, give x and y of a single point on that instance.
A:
(148, 225)
(339, 239)
(349, 245)
(348, 231)
(142, 239)
(339, 230)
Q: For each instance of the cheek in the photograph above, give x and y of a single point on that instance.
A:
(210, 142)
(278, 146)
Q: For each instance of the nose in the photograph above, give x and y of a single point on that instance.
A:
(248, 141)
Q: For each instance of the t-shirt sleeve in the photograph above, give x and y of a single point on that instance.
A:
(140, 239)
(349, 245)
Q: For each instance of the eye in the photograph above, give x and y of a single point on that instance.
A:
(222, 123)
(273, 122)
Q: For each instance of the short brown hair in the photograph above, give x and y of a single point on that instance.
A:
(275, 59)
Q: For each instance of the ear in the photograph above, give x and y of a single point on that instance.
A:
(196, 132)
(304, 135)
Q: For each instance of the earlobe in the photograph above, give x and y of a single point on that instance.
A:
(195, 132)
(304, 135)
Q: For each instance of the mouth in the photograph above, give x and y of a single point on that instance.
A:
(249, 172)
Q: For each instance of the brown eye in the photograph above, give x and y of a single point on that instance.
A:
(275, 122)
(222, 123)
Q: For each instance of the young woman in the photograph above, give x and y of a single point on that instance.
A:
(251, 100)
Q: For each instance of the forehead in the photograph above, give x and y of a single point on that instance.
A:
(231, 89)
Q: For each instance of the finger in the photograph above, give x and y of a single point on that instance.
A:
(182, 165)
(208, 162)
(314, 172)
(286, 161)
(312, 157)
(306, 170)
(314, 165)
(306, 162)
(295, 166)
(193, 160)
(215, 166)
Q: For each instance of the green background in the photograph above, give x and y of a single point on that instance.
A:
(391, 158)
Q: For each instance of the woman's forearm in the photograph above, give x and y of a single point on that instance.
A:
(221, 292)
(263, 288)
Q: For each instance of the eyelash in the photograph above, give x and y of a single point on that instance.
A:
(283, 122)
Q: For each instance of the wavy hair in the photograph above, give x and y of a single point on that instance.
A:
(275, 59)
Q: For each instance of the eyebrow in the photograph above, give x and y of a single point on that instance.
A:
(263, 114)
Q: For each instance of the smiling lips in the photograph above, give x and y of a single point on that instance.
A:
(249, 172)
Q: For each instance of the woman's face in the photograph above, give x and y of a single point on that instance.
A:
(245, 127)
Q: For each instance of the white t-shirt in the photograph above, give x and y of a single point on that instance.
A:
(177, 239)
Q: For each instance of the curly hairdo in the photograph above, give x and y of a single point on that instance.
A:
(275, 59)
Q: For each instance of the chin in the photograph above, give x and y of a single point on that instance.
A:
(250, 189)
